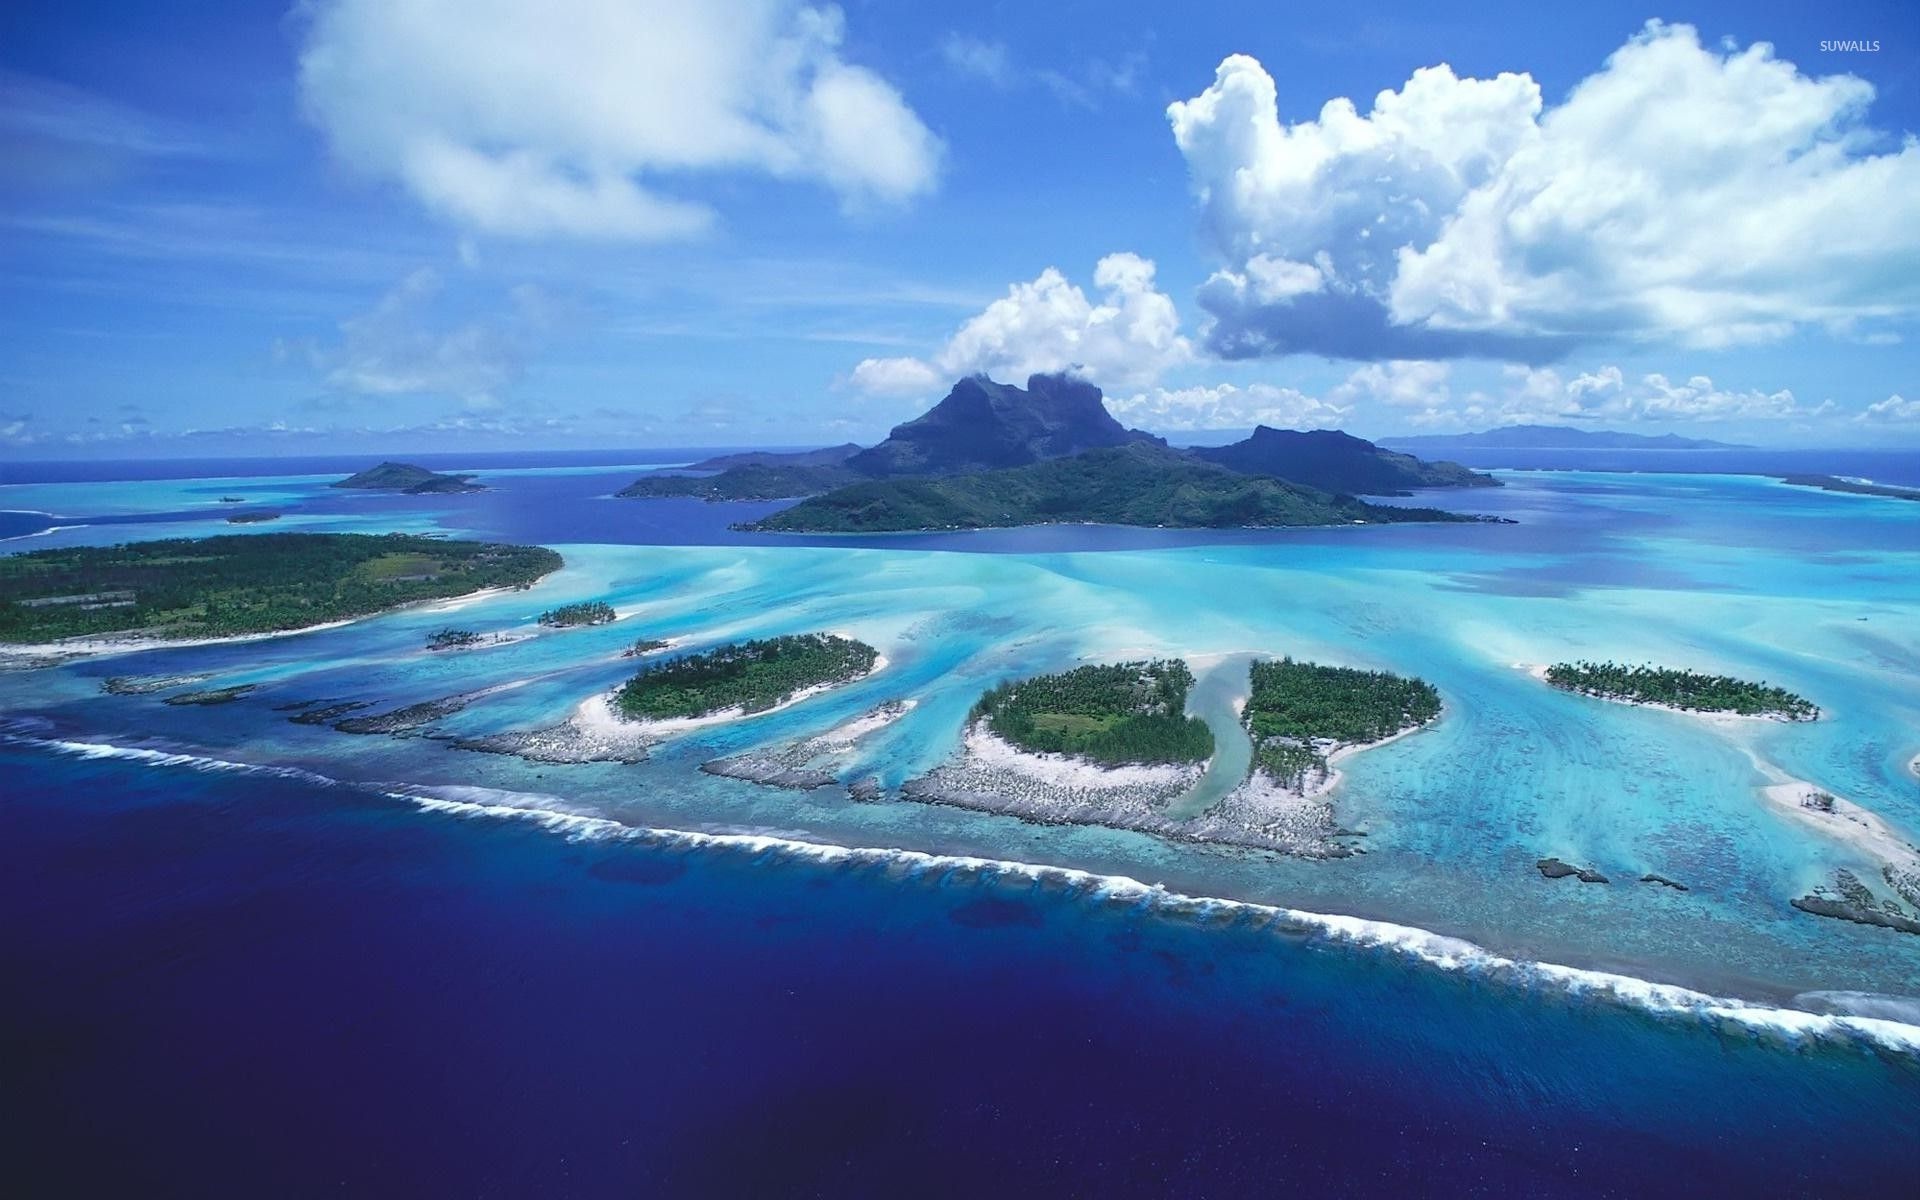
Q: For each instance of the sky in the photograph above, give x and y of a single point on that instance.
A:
(440, 224)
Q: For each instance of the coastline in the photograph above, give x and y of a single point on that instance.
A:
(594, 731)
(106, 645)
(1770, 1021)
(1712, 717)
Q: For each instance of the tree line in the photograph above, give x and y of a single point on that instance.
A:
(1112, 714)
(752, 676)
(1690, 690)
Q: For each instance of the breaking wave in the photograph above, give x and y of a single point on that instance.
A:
(1880, 1022)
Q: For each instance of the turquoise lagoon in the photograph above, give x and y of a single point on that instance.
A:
(1817, 592)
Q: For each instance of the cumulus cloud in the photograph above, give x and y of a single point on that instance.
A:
(1607, 395)
(576, 117)
(1226, 406)
(1893, 408)
(1126, 338)
(1709, 197)
(401, 347)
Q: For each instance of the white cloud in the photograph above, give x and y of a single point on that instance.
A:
(896, 377)
(396, 348)
(1127, 338)
(1606, 395)
(1226, 406)
(1399, 382)
(978, 58)
(1679, 193)
(571, 117)
(1893, 408)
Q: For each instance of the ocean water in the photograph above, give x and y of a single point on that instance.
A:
(656, 978)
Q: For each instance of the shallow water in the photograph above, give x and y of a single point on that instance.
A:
(1809, 590)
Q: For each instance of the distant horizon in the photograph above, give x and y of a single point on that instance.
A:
(771, 224)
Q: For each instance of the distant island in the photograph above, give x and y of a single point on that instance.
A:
(1337, 462)
(748, 676)
(958, 466)
(1115, 714)
(1552, 437)
(1137, 484)
(586, 612)
(1685, 691)
(252, 518)
(826, 456)
(407, 478)
(1854, 487)
(242, 584)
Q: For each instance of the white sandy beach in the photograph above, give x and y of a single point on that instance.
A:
(1539, 671)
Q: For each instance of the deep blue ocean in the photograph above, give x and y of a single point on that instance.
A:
(267, 983)
(240, 985)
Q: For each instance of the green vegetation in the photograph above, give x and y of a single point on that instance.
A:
(1115, 714)
(587, 612)
(1136, 484)
(752, 481)
(452, 639)
(1688, 690)
(405, 477)
(244, 583)
(642, 647)
(253, 518)
(1298, 712)
(752, 676)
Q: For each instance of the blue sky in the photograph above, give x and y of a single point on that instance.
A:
(425, 224)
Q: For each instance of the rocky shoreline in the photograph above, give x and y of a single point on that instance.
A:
(812, 762)
(990, 775)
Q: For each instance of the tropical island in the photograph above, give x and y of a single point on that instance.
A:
(586, 612)
(1555, 437)
(1302, 715)
(1137, 484)
(1684, 691)
(1338, 462)
(1112, 715)
(992, 455)
(1851, 487)
(748, 677)
(238, 585)
(409, 479)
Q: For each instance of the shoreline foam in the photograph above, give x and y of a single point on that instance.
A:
(1441, 951)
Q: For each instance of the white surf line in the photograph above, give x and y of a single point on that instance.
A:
(1435, 949)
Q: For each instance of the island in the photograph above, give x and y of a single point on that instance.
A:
(751, 481)
(1113, 715)
(984, 429)
(586, 612)
(1119, 746)
(1304, 716)
(1139, 483)
(238, 585)
(1680, 690)
(1554, 437)
(1338, 462)
(744, 678)
(253, 518)
(1851, 487)
(409, 479)
(826, 456)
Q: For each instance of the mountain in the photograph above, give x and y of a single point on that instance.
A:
(1337, 462)
(983, 425)
(1138, 483)
(830, 456)
(1553, 437)
(405, 477)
